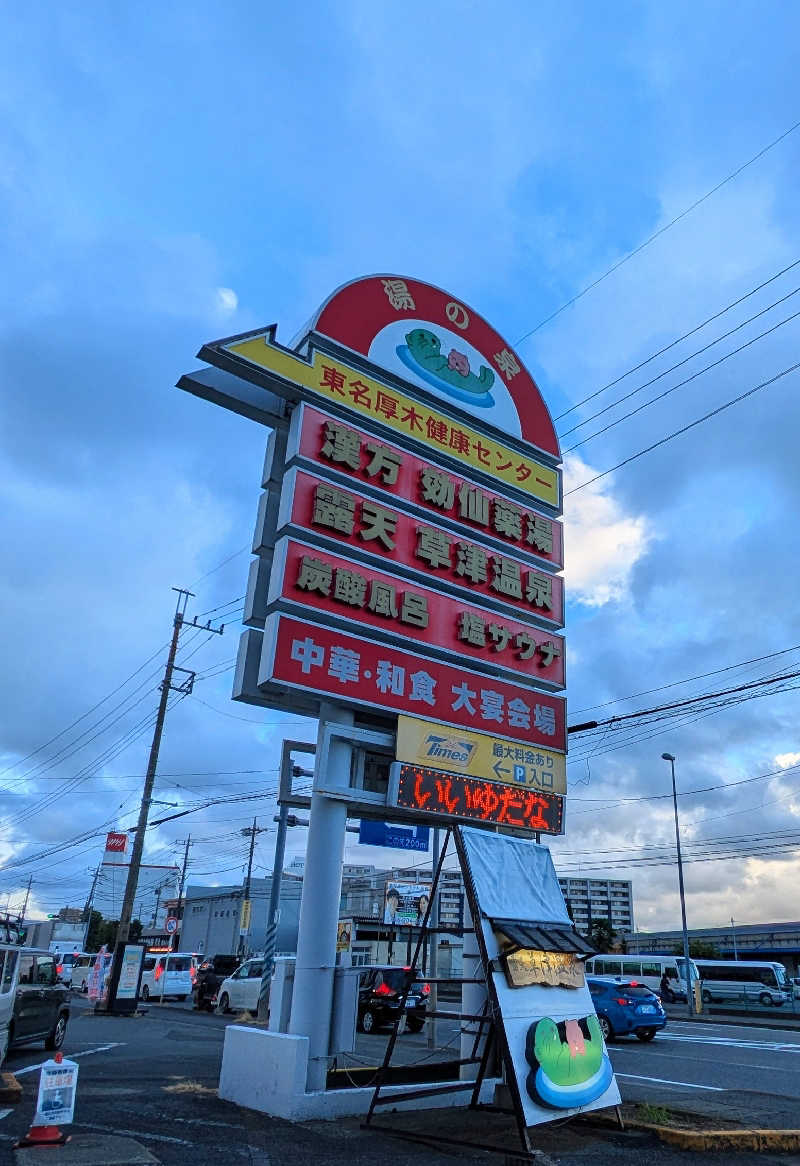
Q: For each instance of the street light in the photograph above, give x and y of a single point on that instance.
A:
(670, 758)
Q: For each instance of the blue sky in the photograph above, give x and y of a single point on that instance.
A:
(169, 178)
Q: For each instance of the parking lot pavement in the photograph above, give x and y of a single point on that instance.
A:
(154, 1079)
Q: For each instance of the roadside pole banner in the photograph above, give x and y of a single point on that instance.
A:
(481, 755)
(58, 1083)
(302, 655)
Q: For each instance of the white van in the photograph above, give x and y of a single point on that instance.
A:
(167, 974)
(745, 982)
(645, 969)
(9, 970)
(69, 965)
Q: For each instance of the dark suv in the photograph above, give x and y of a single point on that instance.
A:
(41, 1003)
(379, 997)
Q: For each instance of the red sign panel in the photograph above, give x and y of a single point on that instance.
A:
(357, 313)
(334, 585)
(451, 795)
(389, 468)
(116, 842)
(360, 522)
(361, 672)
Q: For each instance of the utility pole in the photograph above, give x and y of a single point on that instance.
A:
(87, 910)
(124, 928)
(253, 831)
(27, 896)
(176, 938)
(735, 951)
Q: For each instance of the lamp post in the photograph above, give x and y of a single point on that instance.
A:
(686, 967)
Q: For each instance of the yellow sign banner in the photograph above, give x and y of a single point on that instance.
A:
(335, 381)
(480, 755)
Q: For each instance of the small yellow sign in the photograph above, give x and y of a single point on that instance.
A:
(480, 755)
(336, 381)
(244, 921)
(344, 934)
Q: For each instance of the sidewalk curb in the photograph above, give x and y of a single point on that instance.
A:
(738, 1022)
(776, 1141)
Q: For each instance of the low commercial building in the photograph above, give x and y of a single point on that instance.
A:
(211, 920)
(745, 941)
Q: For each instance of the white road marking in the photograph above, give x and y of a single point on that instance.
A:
(88, 1125)
(663, 1081)
(732, 1042)
(85, 1053)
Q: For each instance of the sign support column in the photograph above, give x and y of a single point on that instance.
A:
(319, 906)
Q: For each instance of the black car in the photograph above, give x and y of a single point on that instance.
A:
(41, 1002)
(380, 995)
(623, 1006)
(212, 971)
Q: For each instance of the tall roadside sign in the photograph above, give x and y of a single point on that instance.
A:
(407, 553)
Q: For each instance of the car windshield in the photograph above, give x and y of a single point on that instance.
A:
(182, 964)
(396, 978)
(636, 990)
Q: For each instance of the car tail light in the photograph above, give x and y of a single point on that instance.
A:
(159, 970)
(622, 1000)
(384, 990)
(426, 989)
(59, 969)
(193, 973)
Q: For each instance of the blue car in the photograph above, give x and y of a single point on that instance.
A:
(624, 1007)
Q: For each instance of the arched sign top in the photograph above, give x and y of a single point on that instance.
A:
(435, 340)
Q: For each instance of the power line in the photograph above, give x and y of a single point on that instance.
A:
(680, 384)
(685, 428)
(672, 344)
(219, 566)
(656, 234)
(686, 359)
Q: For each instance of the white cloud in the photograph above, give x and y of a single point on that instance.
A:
(227, 301)
(787, 760)
(603, 544)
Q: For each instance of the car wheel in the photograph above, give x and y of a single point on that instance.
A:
(145, 993)
(369, 1021)
(224, 1002)
(605, 1028)
(707, 997)
(765, 999)
(56, 1037)
(645, 1033)
(415, 1024)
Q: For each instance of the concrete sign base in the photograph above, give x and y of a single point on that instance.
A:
(266, 1071)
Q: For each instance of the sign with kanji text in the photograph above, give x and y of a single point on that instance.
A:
(364, 526)
(453, 797)
(332, 379)
(424, 742)
(322, 440)
(430, 338)
(360, 672)
(335, 587)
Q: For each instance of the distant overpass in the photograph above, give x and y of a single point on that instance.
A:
(750, 941)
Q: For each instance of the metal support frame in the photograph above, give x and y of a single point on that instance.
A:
(488, 1030)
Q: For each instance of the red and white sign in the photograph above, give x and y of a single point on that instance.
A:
(316, 579)
(310, 504)
(171, 925)
(361, 672)
(382, 317)
(116, 849)
(394, 471)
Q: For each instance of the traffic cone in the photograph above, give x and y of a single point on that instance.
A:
(44, 1135)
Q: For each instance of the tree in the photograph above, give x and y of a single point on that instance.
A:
(104, 931)
(699, 949)
(602, 935)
